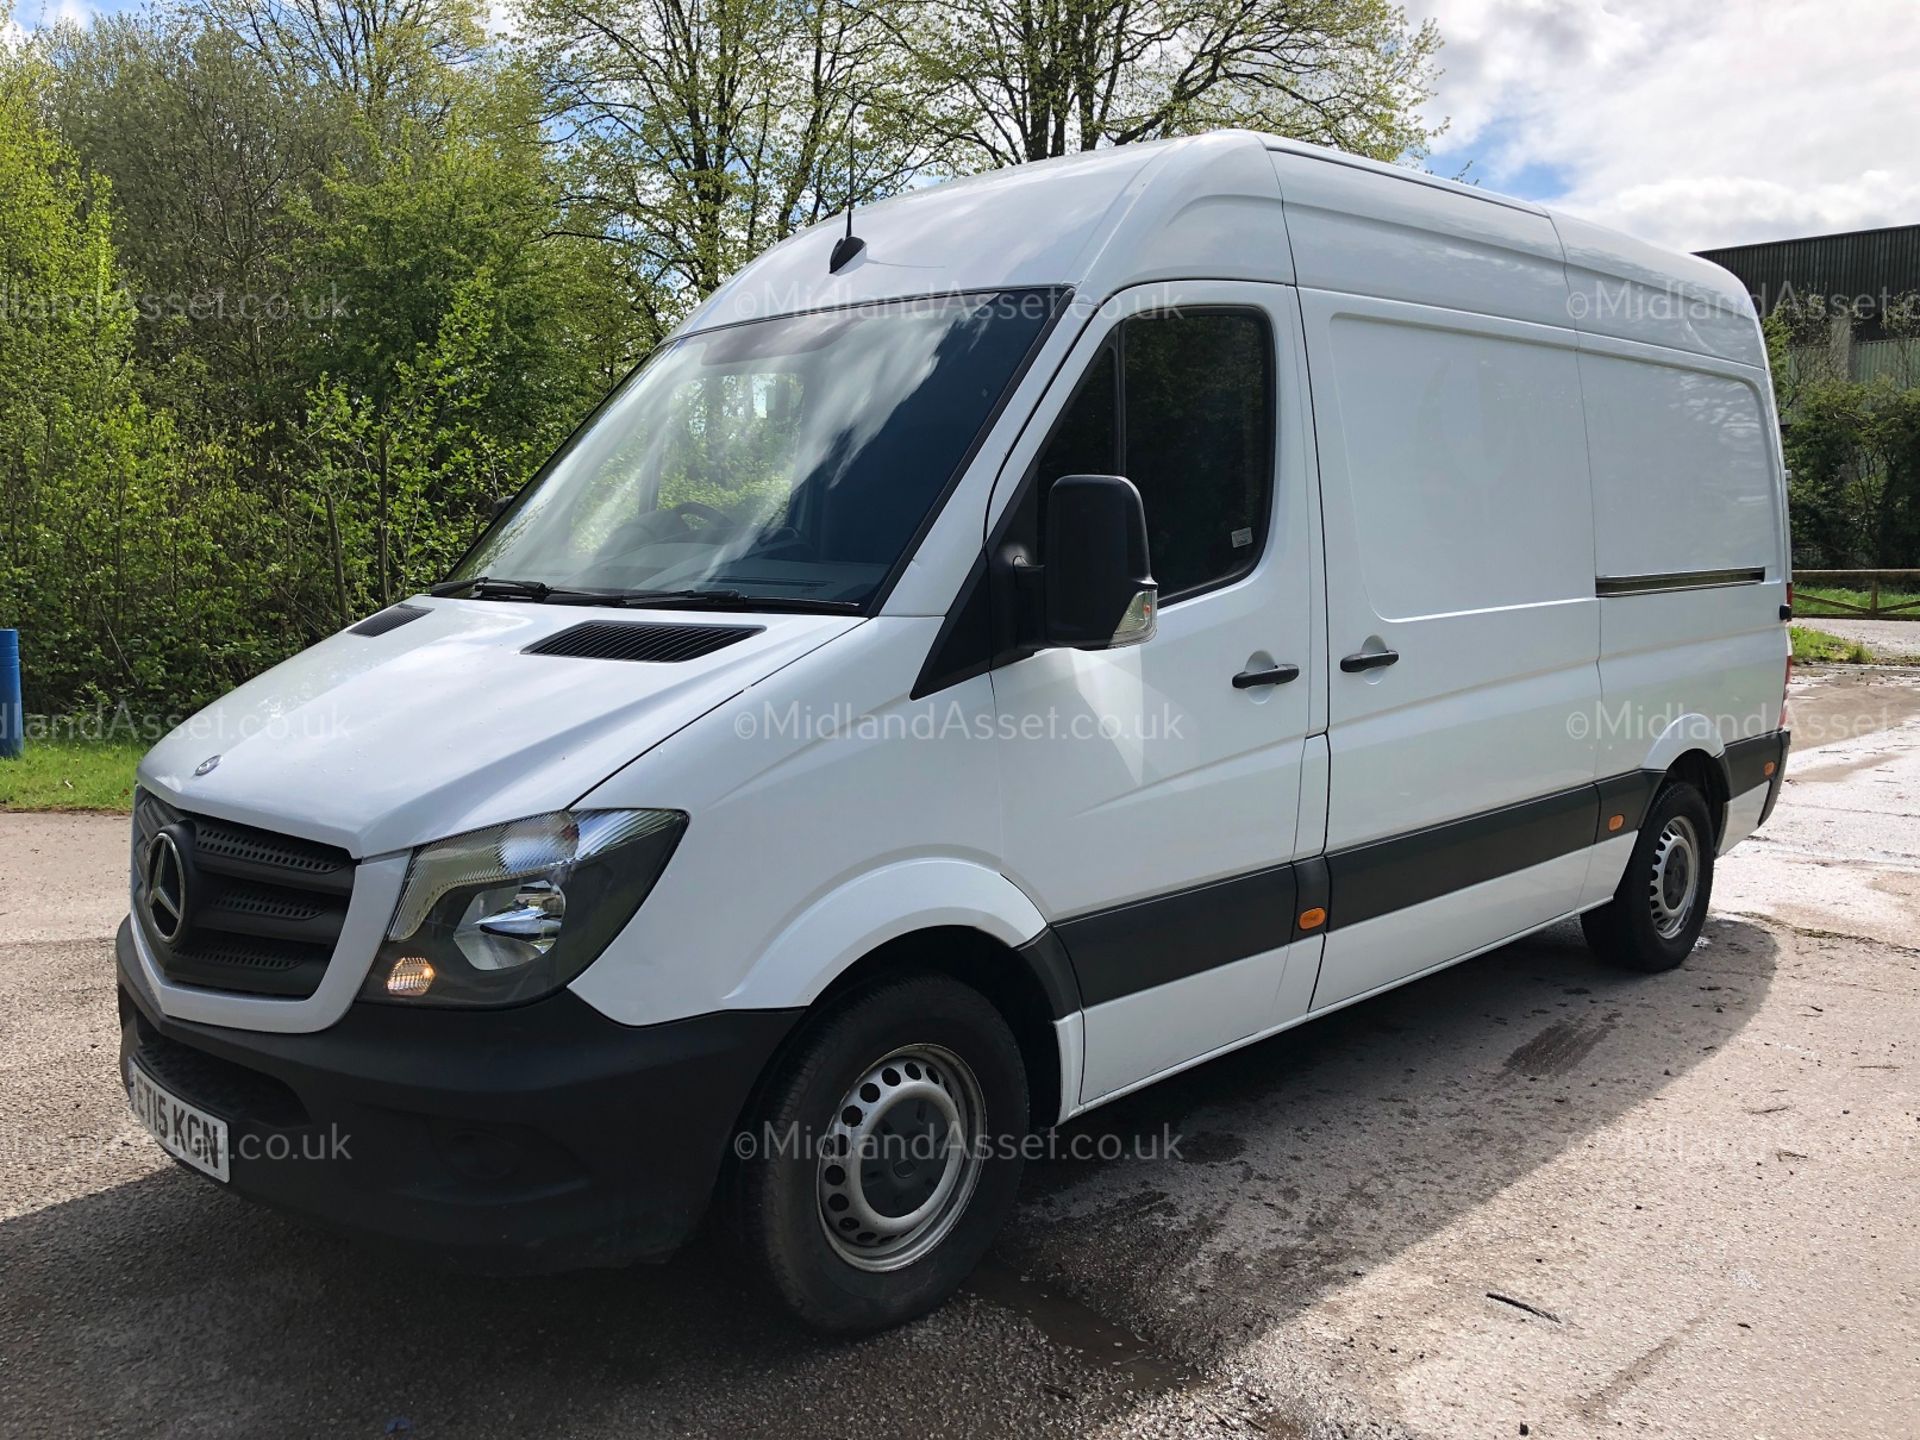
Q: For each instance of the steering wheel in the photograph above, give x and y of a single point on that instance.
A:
(711, 514)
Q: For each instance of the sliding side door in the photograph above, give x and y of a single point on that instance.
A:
(1463, 631)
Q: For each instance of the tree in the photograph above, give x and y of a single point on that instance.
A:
(1001, 84)
(210, 163)
(389, 57)
(345, 311)
(695, 133)
(116, 537)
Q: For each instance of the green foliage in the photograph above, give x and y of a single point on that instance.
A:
(84, 464)
(344, 316)
(1817, 645)
(292, 292)
(1854, 450)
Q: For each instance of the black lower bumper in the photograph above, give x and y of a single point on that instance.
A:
(544, 1137)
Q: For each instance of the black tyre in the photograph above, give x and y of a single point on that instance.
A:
(883, 1155)
(1656, 914)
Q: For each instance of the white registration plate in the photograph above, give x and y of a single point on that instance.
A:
(184, 1131)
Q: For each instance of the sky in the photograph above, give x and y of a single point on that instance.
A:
(1691, 123)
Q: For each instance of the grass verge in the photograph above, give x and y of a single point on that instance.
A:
(71, 775)
(1818, 645)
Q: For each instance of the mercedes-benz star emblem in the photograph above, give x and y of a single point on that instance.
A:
(205, 767)
(166, 887)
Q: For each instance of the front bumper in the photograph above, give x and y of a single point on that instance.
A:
(539, 1138)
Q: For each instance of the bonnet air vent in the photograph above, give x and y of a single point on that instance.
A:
(392, 618)
(622, 640)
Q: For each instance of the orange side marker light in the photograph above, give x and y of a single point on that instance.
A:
(1614, 822)
(1312, 919)
(1769, 767)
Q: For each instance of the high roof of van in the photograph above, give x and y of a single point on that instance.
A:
(1238, 205)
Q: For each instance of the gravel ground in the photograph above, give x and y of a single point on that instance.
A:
(1527, 1191)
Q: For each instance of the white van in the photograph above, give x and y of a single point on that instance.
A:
(1106, 613)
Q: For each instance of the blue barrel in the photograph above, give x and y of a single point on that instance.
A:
(12, 717)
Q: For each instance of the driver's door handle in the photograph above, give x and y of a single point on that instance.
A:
(1254, 679)
(1368, 660)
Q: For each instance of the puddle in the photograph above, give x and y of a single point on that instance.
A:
(1070, 1325)
(1826, 705)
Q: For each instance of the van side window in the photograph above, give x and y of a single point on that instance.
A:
(1197, 440)
(1182, 405)
(1086, 441)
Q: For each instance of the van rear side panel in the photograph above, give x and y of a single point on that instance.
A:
(1690, 563)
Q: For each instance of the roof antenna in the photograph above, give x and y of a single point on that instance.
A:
(849, 245)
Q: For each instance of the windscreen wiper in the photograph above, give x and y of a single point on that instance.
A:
(488, 587)
(734, 600)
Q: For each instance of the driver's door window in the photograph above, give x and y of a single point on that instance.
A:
(1181, 404)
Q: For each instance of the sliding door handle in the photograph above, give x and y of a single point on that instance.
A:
(1274, 675)
(1368, 660)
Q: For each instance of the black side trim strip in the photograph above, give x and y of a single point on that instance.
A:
(1117, 952)
(1747, 762)
(1150, 942)
(1387, 875)
(1627, 796)
(1677, 580)
(1779, 776)
(1047, 958)
(1313, 891)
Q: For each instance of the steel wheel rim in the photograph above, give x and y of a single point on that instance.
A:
(1675, 882)
(902, 1157)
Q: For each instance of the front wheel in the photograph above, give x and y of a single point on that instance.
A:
(1658, 912)
(883, 1155)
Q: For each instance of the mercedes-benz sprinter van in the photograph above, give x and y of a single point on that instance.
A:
(1059, 627)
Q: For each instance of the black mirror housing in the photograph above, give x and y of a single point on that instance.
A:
(1098, 585)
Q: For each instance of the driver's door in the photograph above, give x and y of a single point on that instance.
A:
(1151, 801)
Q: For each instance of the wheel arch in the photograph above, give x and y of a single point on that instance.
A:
(1023, 984)
(946, 915)
(1708, 774)
(1690, 748)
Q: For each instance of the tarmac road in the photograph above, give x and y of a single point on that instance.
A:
(1526, 1191)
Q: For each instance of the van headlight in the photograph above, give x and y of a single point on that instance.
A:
(511, 913)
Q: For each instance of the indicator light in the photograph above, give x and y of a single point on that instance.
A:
(410, 976)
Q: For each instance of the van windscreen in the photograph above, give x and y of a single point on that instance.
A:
(786, 460)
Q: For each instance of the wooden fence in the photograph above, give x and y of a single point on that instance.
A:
(1891, 594)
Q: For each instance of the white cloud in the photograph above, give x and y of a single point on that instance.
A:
(1691, 124)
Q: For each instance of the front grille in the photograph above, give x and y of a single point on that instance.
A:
(264, 911)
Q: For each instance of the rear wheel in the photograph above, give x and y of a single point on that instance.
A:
(1658, 911)
(877, 1167)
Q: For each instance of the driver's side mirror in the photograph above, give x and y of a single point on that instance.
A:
(1099, 591)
